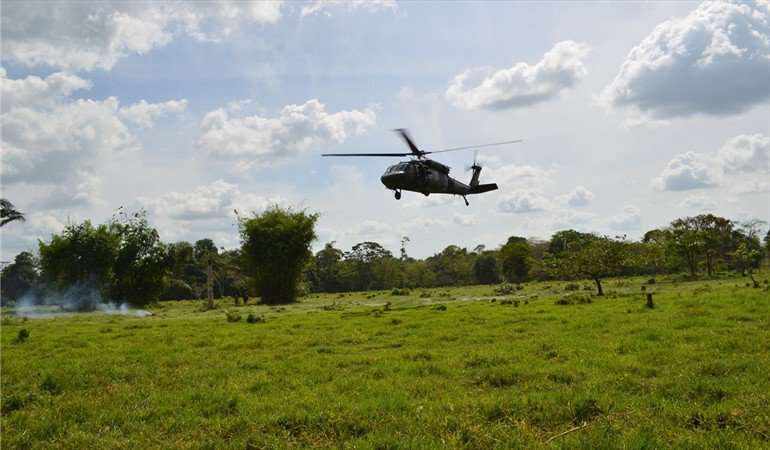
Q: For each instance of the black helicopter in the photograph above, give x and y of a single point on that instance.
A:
(427, 176)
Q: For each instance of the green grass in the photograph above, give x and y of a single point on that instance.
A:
(438, 368)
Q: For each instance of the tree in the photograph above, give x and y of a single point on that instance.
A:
(515, 259)
(561, 240)
(326, 275)
(81, 255)
(361, 260)
(276, 247)
(142, 261)
(594, 258)
(687, 242)
(19, 278)
(485, 268)
(452, 267)
(749, 256)
(8, 213)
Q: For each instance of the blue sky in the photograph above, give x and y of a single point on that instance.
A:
(632, 114)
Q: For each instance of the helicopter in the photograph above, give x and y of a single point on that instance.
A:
(427, 176)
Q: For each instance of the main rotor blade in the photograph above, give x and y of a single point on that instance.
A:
(474, 146)
(405, 136)
(366, 154)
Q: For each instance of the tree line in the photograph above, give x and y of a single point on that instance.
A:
(126, 261)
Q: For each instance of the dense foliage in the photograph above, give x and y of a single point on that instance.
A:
(127, 262)
(276, 247)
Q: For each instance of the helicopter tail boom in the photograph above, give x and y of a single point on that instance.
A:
(481, 188)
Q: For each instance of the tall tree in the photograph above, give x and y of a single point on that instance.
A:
(276, 247)
(9, 213)
(80, 254)
(595, 258)
(142, 262)
(485, 268)
(19, 278)
(515, 258)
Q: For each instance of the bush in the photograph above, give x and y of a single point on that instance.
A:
(22, 336)
(399, 291)
(571, 287)
(505, 289)
(276, 247)
(233, 317)
(255, 319)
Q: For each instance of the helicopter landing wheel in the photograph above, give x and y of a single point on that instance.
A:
(398, 195)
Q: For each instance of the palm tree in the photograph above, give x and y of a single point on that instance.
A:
(8, 212)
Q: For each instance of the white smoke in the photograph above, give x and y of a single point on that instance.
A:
(82, 297)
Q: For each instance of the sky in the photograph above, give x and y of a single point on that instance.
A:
(631, 114)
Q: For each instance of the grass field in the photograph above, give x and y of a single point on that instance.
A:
(439, 368)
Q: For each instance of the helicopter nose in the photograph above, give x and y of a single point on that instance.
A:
(390, 180)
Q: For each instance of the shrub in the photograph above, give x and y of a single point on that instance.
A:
(504, 289)
(571, 287)
(251, 318)
(233, 317)
(22, 336)
(586, 410)
(399, 291)
(440, 308)
(276, 246)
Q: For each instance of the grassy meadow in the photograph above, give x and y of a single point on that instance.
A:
(546, 366)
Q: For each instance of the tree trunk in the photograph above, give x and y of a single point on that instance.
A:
(650, 303)
(599, 290)
(710, 264)
(209, 287)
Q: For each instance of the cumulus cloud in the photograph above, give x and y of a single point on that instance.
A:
(746, 156)
(522, 201)
(579, 197)
(687, 171)
(629, 219)
(522, 84)
(51, 140)
(96, 35)
(572, 219)
(326, 6)
(144, 114)
(699, 202)
(36, 91)
(215, 200)
(746, 153)
(464, 220)
(254, 141)
(714, 61)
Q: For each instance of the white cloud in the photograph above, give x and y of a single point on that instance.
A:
(746, 153)
(144, 114)
(254, 141)
(50, 140)
(96, 35)
(629, 219)
(519, 176)
(325, 6)
(699, 202)
(522, 201)
(35, 91)
(714, 61)
(465, 220)
(215, 200)
(740, 160)
(572, 219)
(687, 171)
(523, 84)
(579, 197)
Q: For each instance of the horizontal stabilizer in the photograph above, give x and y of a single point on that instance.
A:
(481, 188)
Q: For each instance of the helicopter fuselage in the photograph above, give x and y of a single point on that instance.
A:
(429, 177)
